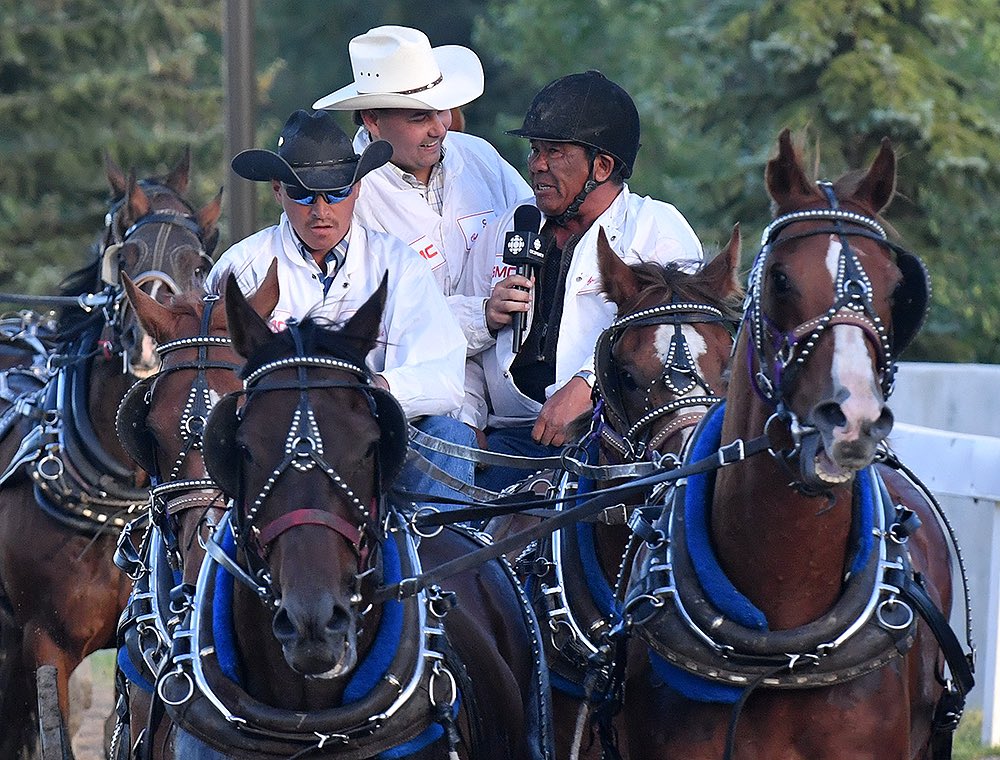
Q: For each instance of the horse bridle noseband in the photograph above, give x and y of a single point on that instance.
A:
(680, 376)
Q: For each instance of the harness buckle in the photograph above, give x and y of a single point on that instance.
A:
(731, 453)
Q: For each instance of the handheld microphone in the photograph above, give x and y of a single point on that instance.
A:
(522, 247)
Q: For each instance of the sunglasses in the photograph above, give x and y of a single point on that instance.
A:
(308, 197)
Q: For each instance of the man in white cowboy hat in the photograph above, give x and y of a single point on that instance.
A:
(441, 188)
(329, 266)
(584, 135)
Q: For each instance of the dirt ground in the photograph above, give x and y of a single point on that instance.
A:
(95, 676)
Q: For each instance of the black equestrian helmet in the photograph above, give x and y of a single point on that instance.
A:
(589, 109)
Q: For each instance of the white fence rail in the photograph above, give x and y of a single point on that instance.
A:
(948, 433)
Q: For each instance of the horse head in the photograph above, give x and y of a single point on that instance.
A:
(156, 237)
(663, 361)
(161, 421)
(832, 302)
(304, 459)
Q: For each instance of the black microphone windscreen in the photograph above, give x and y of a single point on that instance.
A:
(527, 218)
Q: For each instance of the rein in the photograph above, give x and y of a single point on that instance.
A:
(734, 452)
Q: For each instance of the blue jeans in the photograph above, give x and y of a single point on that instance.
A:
(453, 431)
(516, 441)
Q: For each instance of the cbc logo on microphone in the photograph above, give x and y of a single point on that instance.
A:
(515, 245)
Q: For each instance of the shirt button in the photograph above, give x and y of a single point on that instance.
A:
(345, 284)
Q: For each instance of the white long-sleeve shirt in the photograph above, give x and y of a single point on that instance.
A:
(638, 228)
(478, 185)
(420, 351)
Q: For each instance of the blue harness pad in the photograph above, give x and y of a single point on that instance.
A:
(368, 673)
(718, 589)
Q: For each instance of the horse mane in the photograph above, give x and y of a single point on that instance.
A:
(657, 280)
(319, 337)
(72, 319)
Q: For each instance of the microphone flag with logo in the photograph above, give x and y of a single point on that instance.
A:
(522, 248)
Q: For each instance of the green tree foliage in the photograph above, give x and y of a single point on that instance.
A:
(715, 82)
(137, 78)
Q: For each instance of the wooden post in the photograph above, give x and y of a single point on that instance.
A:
(240, 90)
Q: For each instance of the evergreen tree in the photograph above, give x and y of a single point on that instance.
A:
(716, 82)
(139, 79)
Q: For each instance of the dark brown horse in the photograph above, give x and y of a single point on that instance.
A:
(72, 486)
(161, 423)
(659, 367)
(779, 597)
(303, 658)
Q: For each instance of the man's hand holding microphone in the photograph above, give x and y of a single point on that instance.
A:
(511, 297)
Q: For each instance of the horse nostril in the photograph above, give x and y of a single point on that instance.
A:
(282, 625)
(339, 621)
(883, 425)
(830, 414)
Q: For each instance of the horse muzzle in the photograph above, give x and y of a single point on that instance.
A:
(317, 642)
(835, 448)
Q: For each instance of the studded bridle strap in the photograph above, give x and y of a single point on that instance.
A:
(351, 532)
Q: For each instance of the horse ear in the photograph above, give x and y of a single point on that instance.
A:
(265, 298)
(879, 185)
(177, 180)
(116, 177)
(208, 216)
(137, 202)
(363, 327)
(618, 281)
(155, 318)
(784, 176)
(723, 270)
(247, 329)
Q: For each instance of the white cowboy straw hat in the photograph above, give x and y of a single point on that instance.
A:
(396, 67)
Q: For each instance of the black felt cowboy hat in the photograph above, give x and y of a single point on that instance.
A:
(314, 153)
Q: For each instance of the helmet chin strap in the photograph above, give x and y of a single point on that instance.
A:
(573, 210)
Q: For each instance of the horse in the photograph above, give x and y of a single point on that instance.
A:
(658, 366)
(161, 422)
(792, 603)
(305, 658)
(68, 486)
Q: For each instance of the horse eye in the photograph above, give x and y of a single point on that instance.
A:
(628, 382)
(782, 285)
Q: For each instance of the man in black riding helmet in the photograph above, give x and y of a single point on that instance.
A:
(584, 136)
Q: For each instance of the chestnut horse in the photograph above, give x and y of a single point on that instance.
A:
(161, 423)
(287, 650)
(70, 486)
(778, 597)
(659, 367)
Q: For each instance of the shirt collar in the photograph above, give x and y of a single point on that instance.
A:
(411, 179)
(335, 256)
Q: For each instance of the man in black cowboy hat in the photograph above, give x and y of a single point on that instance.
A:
(328, 267)
(584, 136)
